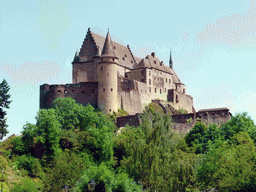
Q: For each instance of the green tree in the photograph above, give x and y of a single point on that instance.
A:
(66, 168)
(4, 103)
(230, 167)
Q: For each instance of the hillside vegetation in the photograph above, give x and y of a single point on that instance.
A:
(72, 144)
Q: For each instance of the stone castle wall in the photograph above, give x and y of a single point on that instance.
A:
(83, 93)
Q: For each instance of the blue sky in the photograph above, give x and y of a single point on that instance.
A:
(213, 46)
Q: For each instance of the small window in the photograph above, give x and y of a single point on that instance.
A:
(101, 59)
(131, 61)
(82, 92)
(110, 110)
(149, 82)
(166, 80)
(177, 99)
(101, 68)
(149, 73)
(155, 61)
(142, 72)
(170, 81)
(150, 89)
(65, 91)
(103, 89)
(155, 90)
(113, 59)
(165, 90)
(114, 47)
(123, 58)
(183, 90)
(160, 91)
(125, 55)
(111, 89)
(141, 90)
(59, 91)
(126, 76)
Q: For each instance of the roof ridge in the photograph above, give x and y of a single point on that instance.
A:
(132, 54)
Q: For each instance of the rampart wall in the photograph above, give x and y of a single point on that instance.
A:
(83, 93)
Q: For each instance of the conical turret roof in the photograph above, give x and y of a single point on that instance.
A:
(108, 50)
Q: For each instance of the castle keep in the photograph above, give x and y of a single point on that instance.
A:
(107, 75)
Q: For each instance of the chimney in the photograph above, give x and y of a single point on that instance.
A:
(153, 54)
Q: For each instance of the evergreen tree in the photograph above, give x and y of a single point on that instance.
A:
(4, 103)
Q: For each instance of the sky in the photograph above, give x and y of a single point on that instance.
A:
(213, 46)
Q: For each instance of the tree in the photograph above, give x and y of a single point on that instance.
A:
(4, 103)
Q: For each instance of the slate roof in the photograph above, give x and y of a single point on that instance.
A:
(126, 57)
(108, 50)
(214, 109)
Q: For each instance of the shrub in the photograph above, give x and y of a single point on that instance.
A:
(181, 111)
(26, 185)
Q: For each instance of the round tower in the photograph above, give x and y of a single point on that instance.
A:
(107, 78)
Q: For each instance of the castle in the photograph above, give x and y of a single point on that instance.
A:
(107, 75)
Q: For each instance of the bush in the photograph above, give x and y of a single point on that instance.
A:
(181, 111)
(26, 185)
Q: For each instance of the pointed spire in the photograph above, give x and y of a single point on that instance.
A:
(108, 50)
(170, 61)
(76, 58)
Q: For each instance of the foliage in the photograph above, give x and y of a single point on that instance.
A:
(106, 178)
(4, 103)
(26, 185)
(230, 167)
(3, 163)
(181, 111)
(195, 137)
(66, 168)
(31, 164)
(189, 120)
(239, 122)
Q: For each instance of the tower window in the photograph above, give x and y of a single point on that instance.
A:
(170, 81)
(103, 89)
(111, 89)
(110, 110)
(166, 80)
(155, 90)
(149, 82)
(150, 89)
(123, 58)
(149, 73)
(155, 61)
(113, 59)
(126, 76)
(131, 61)
(142, 73)
(125, 55)
(183, 90)
(114, 47)
(165, 90)
(160, 91)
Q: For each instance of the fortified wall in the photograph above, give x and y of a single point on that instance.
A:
(183, 123)
(83, 93)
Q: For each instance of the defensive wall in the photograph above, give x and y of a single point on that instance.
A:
(183, 123)
(83, 93)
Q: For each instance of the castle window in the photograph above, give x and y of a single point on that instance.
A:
(160, 91)
(183, 90)
(160, 73)
(101, 68)
(111, 89)
(123, 58)
(131, 61)
(149, 73)
(165, 90)
(110, 110)
(155, 61)
(65, 91)
(59, 91)
(149, 82)
(170, 81)
(150, 89)
(114, 47)
(126, 76)
(82, 92)
(142, 73)
(125, 55)
(177, 99)
(166, 80)
(141, 90)
(113, 59)
(103, 89)
(101, 59)
(155, 90)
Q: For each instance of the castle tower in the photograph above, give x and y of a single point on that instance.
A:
(107, 78)
(170, 61)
